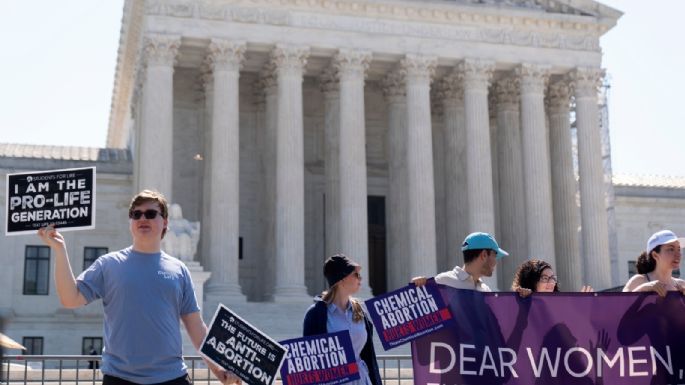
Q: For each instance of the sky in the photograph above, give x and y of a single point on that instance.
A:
(59, 57)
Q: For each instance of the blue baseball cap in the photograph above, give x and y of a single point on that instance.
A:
(475, 241)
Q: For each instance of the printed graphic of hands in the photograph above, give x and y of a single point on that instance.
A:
(603, 341)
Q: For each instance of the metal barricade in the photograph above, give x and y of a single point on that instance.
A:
(75, 370)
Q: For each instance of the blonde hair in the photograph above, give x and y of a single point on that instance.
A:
(357, 310)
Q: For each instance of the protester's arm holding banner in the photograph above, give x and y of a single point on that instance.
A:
(65, 282)
(197, 330)
(523, 292)
(640, 283)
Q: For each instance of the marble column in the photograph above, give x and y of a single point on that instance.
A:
(156, 146)
(451, 94)
(394, 91)
(421, 188)
(536, 163)
(351, 69)
(564, 188)
(512, 214)
(494, 132)
(443, 261)
(208, 84)
(594, 223)
(476, 75)
(331, 91)
(225, 59)
(289, 62)
(266, 99)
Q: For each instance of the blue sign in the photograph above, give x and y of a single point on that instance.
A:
(326, 359)
(408, 313)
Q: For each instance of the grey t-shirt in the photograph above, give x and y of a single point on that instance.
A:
(144, 296)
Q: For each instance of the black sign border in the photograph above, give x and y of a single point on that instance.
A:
(209, 327)
(62, 229)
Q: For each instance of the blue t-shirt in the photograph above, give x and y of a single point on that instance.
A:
(144, 296)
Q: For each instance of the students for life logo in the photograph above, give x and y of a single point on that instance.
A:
(165, 274)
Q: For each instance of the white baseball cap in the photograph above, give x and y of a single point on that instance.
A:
(661, 238)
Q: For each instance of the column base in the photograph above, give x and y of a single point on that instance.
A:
(221, 293)
(213, 299)
(291, 294)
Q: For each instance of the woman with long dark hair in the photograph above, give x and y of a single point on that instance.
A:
(335, 310)
(655, 265)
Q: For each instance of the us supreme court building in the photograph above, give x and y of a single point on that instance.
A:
(383, 129)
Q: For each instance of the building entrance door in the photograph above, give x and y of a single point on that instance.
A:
(377, 275)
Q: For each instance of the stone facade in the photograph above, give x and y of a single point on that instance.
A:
(298, 83)
(386, 130)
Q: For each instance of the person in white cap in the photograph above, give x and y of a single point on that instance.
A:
(655, 265)
(481, 253)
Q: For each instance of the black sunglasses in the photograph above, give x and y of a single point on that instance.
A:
(149, 214)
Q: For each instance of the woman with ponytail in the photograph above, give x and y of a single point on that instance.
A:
(335, 310)
(655, 265)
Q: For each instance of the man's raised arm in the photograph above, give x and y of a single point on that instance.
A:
(65, 282)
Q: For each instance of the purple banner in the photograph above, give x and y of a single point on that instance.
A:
(574, 338)
(408, 313)
(326, 359)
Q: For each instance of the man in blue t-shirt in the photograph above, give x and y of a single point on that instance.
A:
(145, 294)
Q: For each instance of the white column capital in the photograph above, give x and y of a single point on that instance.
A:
(207, 80)
(268, 79)
(348, 62)
(394, 87)
(226, 55)
(476, 73)
(585, 81)
(506, 92)
(266, 83)
(259, 94)
(160, 50)
(329, 84)
(559, 97)
(418, 67)
(450, 89)
(532, 77)
(289, 58)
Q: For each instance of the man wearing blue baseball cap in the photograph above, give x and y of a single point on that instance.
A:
(481, 253)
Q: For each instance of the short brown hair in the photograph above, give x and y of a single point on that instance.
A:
(150, 196)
